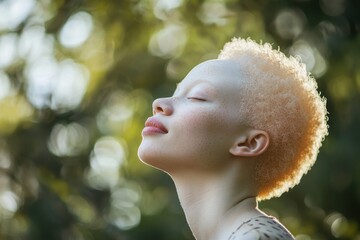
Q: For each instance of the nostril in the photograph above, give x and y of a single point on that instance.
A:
(162, 106)
(157, 110)
(157, 106)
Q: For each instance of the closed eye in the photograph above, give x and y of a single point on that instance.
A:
(196, 99)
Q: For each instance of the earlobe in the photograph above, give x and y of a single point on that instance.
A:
(253, 143)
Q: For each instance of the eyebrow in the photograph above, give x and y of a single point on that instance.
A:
(194, 84)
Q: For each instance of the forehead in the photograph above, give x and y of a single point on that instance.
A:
(222, 74)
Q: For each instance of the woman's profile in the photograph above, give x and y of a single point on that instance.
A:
(238, 129)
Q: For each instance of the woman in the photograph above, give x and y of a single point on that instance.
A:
(238, 129)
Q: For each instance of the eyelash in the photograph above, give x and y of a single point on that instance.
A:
(196, 99)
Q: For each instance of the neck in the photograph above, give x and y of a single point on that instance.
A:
(216, 203)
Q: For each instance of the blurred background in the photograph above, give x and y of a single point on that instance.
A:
(77, 79)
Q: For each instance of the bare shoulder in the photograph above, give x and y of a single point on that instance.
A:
(261, 228)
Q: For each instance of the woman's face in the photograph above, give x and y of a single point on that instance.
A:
(196, 127)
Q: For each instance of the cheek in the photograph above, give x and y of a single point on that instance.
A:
(203, 137)
(201, 128)
(199, 122)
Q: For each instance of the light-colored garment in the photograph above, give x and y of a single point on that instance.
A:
(261, 228)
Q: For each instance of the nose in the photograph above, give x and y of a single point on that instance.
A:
(162, 106)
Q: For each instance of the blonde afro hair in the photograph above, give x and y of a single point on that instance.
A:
(281, 98)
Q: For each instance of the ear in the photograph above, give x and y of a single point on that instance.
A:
(250, 144)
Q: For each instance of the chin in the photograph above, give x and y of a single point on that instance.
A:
(142, 154)
(148, 156)
(155, 160)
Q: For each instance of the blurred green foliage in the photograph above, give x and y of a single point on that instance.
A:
(77, 79)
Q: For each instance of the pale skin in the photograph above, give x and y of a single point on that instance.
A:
(199, 138)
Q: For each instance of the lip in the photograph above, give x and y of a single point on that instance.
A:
(154, 126)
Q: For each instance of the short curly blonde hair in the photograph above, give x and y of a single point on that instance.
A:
(280, 98)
